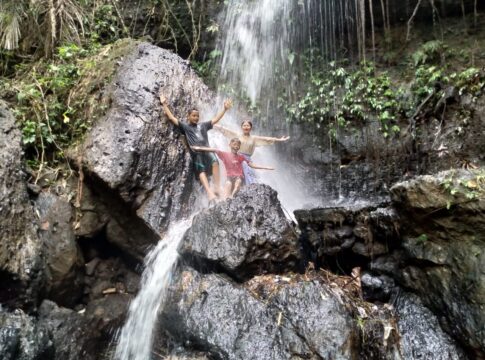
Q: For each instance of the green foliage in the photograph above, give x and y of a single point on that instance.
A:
(429, 52)
(50, 115)
(425, 81)
(49, 23)
(41, 111)
(340, 97)
(470, 189)
(470, 80)
(105, 26)
(432, 80)
(422, 239)
(206, 69)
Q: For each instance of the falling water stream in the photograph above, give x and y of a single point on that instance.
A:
(260, 42)
(258, 39)
(136, 337)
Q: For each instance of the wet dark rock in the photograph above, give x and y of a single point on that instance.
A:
(243, 236)
(110, 275)
(21, 266)
(91, 266)
(389, 264)
(368, 231)
(94, 214)
(63, 257)
(300, 320)
(444, 242)
(134, 157)
(377, 288)
(421, 334)
(85, 334)
(369, 250)
(22, 339)
(34, 189)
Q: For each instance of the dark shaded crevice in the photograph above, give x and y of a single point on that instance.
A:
(134, 228)
(243, 273)
(10, 290)
(99, 247)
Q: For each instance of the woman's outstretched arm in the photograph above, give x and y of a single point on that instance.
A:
(267, 140)
(225, 131)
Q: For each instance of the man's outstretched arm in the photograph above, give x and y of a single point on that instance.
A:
(218, 117)
(166, 110)
(203, 148)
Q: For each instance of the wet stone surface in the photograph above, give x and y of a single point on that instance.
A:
(302, 320)
(21, 266)
(243, 236)
(134, 157)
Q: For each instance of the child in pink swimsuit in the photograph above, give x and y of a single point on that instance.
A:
(233, 162)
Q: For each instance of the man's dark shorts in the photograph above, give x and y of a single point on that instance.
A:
(203, 162)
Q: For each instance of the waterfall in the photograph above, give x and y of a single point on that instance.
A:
(261, 43)
(136, 337)
(255, 39)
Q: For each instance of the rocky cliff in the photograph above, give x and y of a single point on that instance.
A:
(400, 279)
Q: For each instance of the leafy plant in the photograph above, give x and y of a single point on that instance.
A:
(429, 52)
(49, 23)
(339, 97)
(422, 239)
(471, 189)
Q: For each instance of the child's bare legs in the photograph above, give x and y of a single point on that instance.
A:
(216, 177)
(227, 189)
(237, 186)
(205, 183)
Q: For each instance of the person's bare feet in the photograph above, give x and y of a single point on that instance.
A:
(212, 197)
(218, 193)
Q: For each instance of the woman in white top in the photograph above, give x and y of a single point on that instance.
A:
(248, 145)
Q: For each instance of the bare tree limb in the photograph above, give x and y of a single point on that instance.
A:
(410, 21)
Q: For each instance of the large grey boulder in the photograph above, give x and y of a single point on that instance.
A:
(301, 320)
(443, 228)
(134, 156)
(21, 264)
(243, 236)
(63, 258)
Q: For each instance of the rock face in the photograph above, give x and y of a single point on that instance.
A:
(303, 320)
(244, 236)
(360, 231)
(421, 334)
(21, 252)
(21, 338)
(63, 257)
(443, 232)
(134, 153)
(85, 335)
(429, 240)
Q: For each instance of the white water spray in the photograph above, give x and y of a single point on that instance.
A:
(255, 43)
(255, 38)
(136, 337)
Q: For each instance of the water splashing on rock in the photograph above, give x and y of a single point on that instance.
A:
(136, 337)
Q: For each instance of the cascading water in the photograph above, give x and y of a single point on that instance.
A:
(256, 44)
(259, 40)
(136, 337)
(255, 39)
